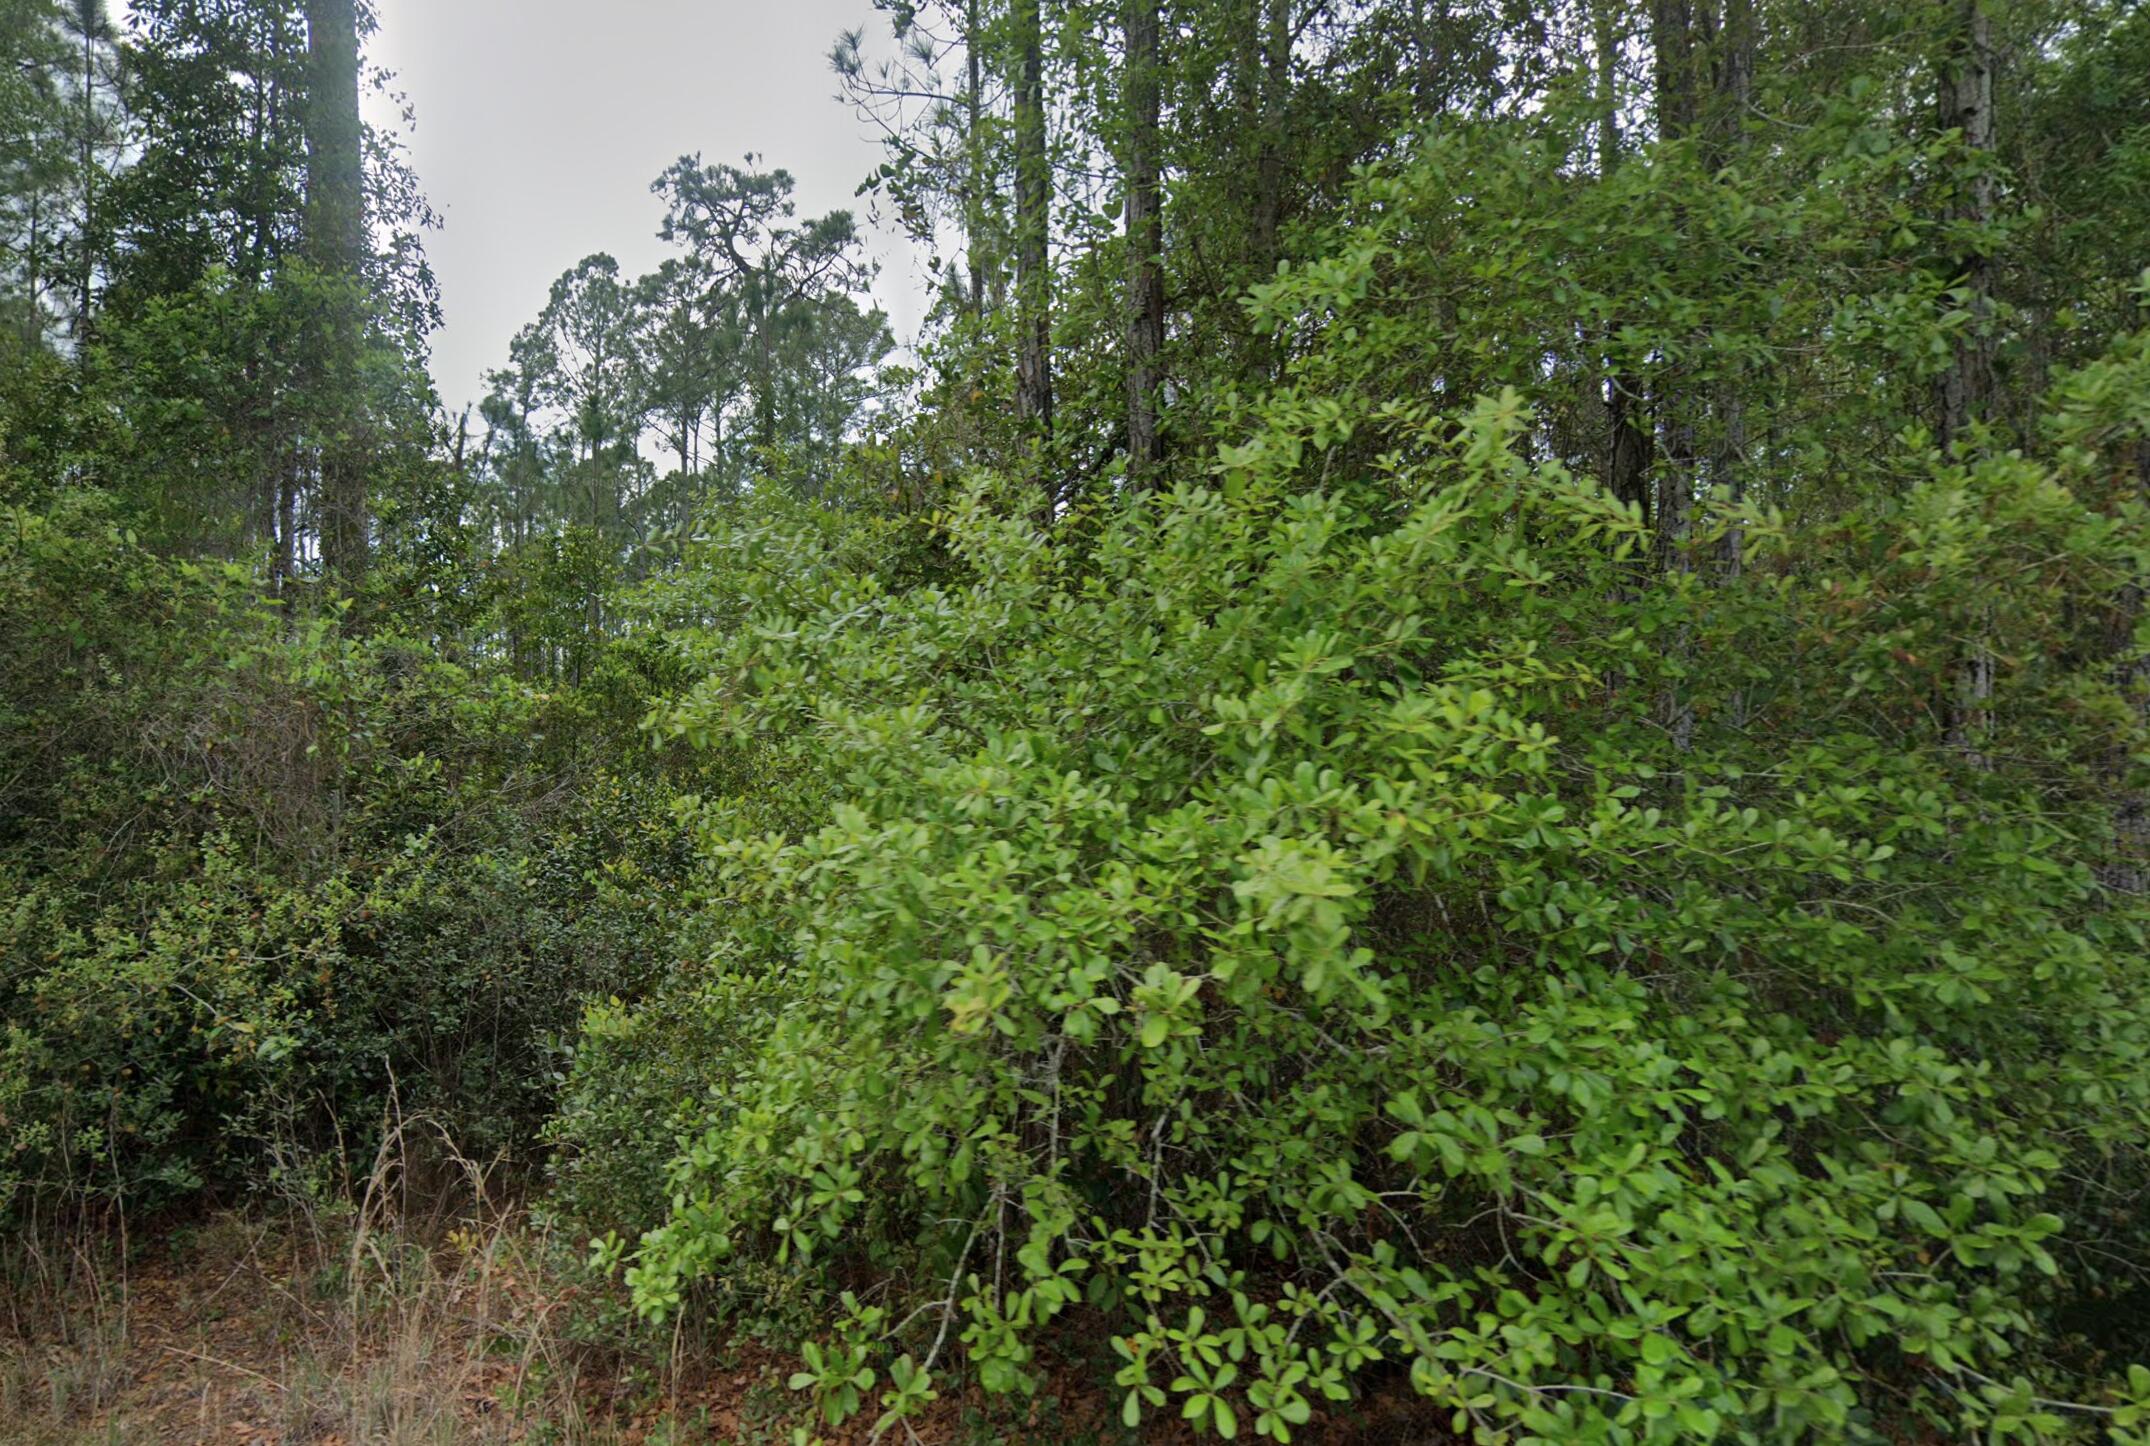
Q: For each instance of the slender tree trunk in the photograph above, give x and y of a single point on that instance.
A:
(261, 236)
(1145, 244)
(1736, 41)
(2128, 871)
(974, 180)
(33, 263)
(1731, 470)
(1967, 108)
(1633, 448)
(285, 566)
(336, 243)
(1630, 444)
(1033, 261)
(1274, 26)
(1967, 385)
(1672, 40)
(765, 399)
(86, 263)
(1677, 400)
(335, 195)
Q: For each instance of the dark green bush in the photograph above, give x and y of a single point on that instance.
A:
(267, 881)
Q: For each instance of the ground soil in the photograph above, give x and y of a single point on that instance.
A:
(239, 1330)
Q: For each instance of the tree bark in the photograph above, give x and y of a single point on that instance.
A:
(2128, 871)
(1630, 441)
(974, 182)
(1033, 222)
(1967, 108)
(33, 263)
(1274, 26)
(1736, 43)
(91, 17)
(284, 566)
(336, 244)
(1145, 244)
(1967, 385)
(1673, 44)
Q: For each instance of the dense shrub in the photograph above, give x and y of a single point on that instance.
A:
(265, 881)
(1376, 927)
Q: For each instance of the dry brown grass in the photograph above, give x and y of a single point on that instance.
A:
(418, 1306)
(419, 1310)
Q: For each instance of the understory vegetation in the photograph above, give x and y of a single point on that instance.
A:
(1467, 741)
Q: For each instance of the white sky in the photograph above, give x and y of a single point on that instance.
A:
(541, 124)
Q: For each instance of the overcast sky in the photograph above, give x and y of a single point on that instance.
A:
(541, 124)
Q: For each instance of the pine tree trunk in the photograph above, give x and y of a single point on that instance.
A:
(1967, 385)
(1033, 222)
(1145, 244)
(1275, 28)
(1736, 42)
(1631, 442)
(85, 266)
(1677, 401)
(1967, 107)
(285, 566)
(974, 180)
(336, 244)
(1672, 41)
(33, 259)
(2127, 871)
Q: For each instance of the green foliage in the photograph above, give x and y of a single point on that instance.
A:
(1293, 935)
(1575, 846)
(264, 878)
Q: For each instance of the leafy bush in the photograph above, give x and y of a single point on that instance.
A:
(1327, 931)
(265, 880)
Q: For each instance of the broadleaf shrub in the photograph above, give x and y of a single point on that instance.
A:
(1324, 931)
(266, 882)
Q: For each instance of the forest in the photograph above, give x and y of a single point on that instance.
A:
(1462, 751)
